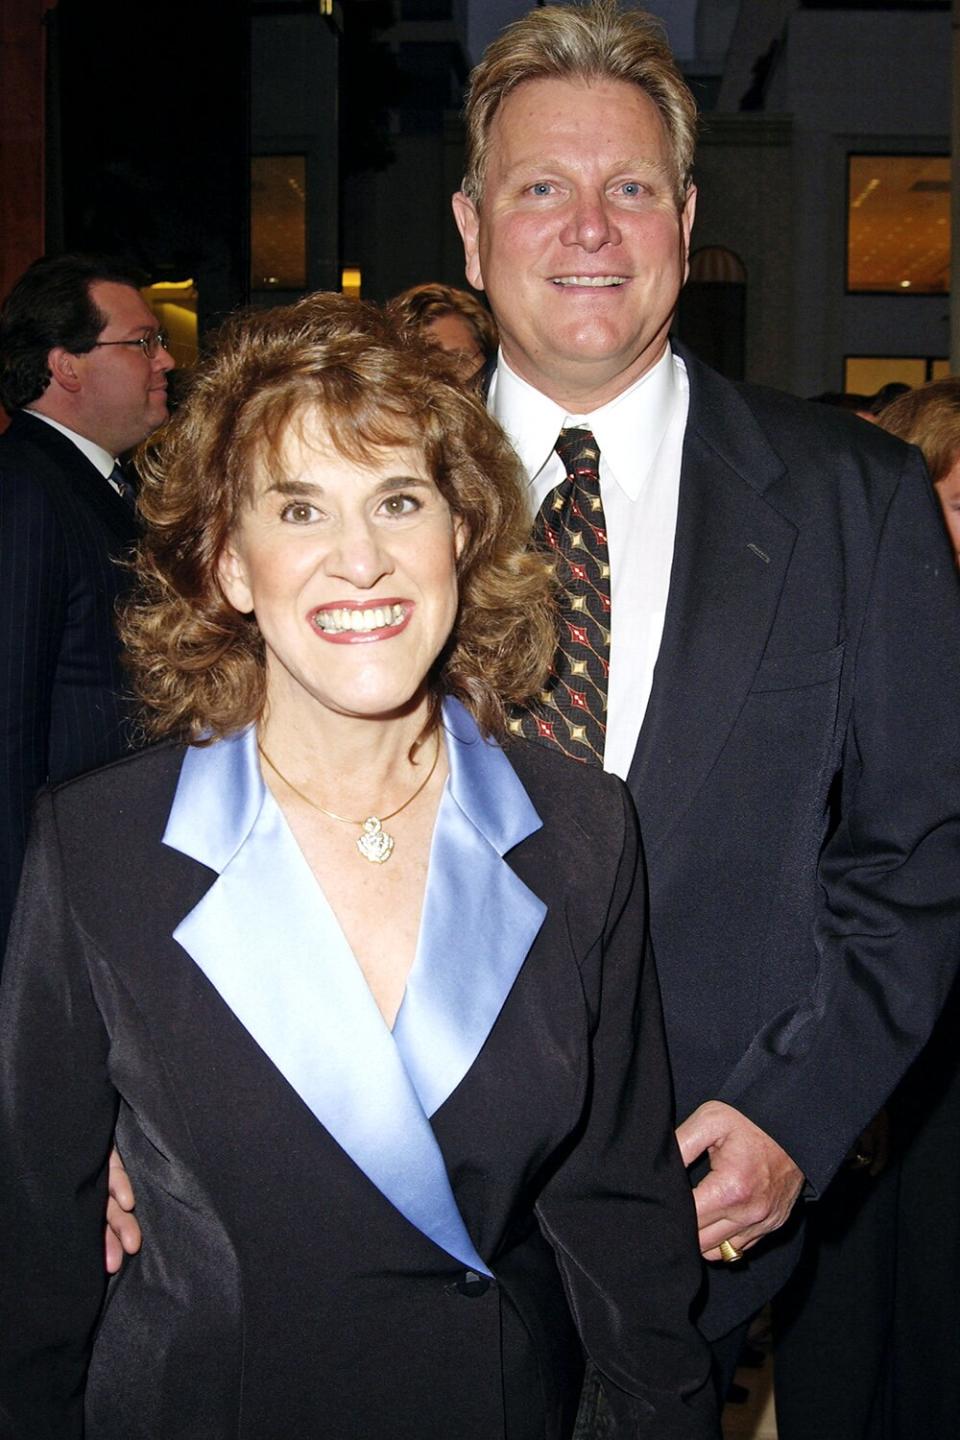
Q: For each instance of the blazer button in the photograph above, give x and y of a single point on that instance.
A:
(473, 1285)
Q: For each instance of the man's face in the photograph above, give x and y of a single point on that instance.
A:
(577, 239)
(123, 394)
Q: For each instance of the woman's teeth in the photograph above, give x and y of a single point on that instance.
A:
(377, 617)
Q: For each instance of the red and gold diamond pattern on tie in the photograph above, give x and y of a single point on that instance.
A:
(570, 713)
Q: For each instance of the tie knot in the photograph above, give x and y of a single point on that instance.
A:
(579, 451)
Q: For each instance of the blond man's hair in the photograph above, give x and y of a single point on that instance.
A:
(588, 43)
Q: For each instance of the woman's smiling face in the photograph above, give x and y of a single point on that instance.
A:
(350, 570)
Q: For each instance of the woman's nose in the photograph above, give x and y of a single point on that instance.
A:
(359, 556)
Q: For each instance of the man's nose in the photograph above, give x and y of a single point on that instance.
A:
(591, 223)
(163, 360)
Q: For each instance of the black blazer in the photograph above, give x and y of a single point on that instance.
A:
(62, 531)
(797, 780)
(278, 1294)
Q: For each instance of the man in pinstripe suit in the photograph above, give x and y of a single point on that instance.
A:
(83, 375)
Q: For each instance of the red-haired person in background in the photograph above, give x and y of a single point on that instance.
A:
(456, 322)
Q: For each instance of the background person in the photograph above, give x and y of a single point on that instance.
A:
(873, 1309)
(922, 1375)
(456, 322)
(364, 953)
(83, 375)
(929, 417)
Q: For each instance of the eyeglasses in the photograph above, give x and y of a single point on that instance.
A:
(149, 344)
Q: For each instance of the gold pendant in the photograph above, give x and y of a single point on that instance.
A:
(375, 844)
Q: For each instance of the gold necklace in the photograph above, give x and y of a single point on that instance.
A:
(373, 842)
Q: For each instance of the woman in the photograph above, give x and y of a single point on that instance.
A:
(455, 322)
(395, 1106)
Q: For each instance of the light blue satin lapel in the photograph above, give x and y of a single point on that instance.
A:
(308, 1008)
(479, 920)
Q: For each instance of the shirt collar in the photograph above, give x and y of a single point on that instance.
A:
(99, 458)
(629, 428)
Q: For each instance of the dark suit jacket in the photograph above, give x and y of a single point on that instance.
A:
(62, 531)
(797, 780)
(278, 1293)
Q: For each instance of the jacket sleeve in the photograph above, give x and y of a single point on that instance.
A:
(619, 1212)
(32, 617)
(887, 928)
(57, 1112)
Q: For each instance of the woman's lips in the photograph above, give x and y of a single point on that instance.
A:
(358, 623)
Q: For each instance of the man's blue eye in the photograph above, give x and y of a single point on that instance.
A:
(631, 188)
(541, 188)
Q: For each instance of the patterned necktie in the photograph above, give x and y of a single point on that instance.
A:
(570, 713)
(123, 488)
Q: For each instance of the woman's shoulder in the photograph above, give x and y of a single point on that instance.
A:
(565, 790)
(131, 785)
(550, 767)
(586, 854)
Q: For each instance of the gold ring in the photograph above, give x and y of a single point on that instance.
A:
(729, 1253)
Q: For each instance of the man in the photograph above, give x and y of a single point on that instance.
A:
(784, 652)
(83, 374)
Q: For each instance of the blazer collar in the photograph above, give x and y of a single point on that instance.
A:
(221, 793)
(266, 938)
(735, 536)
(479, 920)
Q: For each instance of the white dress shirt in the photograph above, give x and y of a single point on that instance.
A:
(640, 434)
(99, 458)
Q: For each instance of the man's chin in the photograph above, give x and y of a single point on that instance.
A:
(596, 372)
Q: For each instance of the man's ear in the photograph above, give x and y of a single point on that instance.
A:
(468, 223)
(686, 226)
(232, 574)
(65, 369)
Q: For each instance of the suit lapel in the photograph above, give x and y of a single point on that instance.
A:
(730, 560)
(308, 1006)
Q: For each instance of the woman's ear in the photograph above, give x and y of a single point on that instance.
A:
(232, 574)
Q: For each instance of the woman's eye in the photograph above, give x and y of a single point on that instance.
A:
(299, 512)
(395, 505)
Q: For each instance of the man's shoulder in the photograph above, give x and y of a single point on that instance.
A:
(37, 458)
(799, 431)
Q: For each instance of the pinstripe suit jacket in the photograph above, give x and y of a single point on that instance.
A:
(62, 532)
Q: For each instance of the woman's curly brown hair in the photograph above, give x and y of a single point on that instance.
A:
(198, 664)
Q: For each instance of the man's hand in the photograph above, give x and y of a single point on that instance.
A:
(751, 1185)
(123, 1233)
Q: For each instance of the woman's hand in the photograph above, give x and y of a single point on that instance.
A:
(122, 1233)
